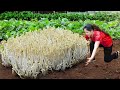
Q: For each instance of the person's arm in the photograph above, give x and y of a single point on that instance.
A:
(96, 45)
(87, 38)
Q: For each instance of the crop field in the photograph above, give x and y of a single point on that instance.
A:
(59, 54)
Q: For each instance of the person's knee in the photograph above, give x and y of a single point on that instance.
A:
(106, 59)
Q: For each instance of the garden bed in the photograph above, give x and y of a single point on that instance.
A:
(95, 70)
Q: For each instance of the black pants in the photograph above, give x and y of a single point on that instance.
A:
(107, 52)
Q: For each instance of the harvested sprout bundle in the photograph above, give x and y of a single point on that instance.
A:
(39, 51)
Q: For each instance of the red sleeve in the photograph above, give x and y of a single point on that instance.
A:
(86, 37)
(98, 37)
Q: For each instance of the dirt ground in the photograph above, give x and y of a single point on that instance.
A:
(95, 70)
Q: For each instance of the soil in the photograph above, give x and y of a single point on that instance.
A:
(95, 70)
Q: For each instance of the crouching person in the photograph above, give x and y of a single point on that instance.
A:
(99, 38)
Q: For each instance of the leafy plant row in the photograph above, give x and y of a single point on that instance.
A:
(29, 15)
(13, 28)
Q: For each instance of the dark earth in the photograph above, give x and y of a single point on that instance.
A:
(95, 70)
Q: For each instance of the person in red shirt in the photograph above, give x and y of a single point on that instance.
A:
(99, 38)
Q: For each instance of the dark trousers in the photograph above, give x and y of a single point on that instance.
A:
(107, 52)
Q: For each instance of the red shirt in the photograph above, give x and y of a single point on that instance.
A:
(104, 39)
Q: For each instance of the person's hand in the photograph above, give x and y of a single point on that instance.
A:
(88, 61)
